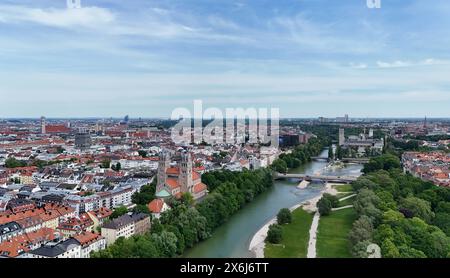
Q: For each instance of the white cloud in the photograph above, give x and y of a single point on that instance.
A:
(358, 65)
(64, 18)
(402, 64)
(395, 64)
(222, 23)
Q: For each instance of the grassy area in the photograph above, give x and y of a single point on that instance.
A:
(347, 202)
(332, 236)
(344, 188)
(343, 195)
(295, 238)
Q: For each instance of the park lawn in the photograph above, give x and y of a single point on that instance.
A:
(343, 195)
(344, 188)
(332, 236)
(347, 202)
(295, 237)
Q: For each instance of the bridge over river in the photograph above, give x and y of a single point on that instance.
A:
(346, 159)
(335, 179)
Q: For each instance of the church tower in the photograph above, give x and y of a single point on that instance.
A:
(43, 125)
(163, 165)
(185, 180)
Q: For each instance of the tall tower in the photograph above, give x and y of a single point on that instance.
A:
(185, 180)
(163, 165)
(341, 137)
(371, 133)
(43, 124)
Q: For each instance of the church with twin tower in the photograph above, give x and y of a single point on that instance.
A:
(179, 179)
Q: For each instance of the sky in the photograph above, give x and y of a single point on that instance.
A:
(144, 58)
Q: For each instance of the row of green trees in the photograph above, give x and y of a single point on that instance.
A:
(327, 203)
(12, 162)
(275, 232)
(405, 216)
(299, 155)
(185, 225)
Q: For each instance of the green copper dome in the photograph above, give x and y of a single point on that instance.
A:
(162, 194)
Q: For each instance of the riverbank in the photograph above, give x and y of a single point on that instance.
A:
(257, 244)
(233, 238)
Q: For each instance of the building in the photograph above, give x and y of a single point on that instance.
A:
(431, 166)
(120, 196)
(18, 246)
(75, 226)
(174, 181)
(289, 140)
(341, 137)
(157, 206)
(99, 216)
(125, 226)
(83, 140)
(69, 249)
(90, 242)
(10, 230)
(361, 143)
(43, 124)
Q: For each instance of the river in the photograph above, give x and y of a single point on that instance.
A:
(232, 239)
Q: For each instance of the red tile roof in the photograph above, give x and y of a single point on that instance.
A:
(200, 187)
(56, 129)
(172, 183)
(173, 171)
(156, 205)
(87, 238)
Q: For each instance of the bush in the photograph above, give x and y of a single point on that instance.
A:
(333, 199)
(324, 205)
(275, 234)
(284, 216)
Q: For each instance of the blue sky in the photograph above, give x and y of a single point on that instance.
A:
(309, 58)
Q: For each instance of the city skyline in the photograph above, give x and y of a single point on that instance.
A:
(146, 58)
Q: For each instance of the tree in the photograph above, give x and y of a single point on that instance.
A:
(144, 247)
(187, 199)
(360, 249)
(324, 205)
(383, 232)
(145, 195)
(117, 167)
(418, 207)
(106, 163)
(143, 153)
(339, 152)
(333, 199)
(119, 211)
(330, 153)
(280, 166)
(362, 230)
(389, 250)
(141, 209)
(407, 252)
(284, 216)
(157, 227)
(383, 162)
(367, 203)
(166, 244)
(275, 234)
(442, 220)
(12, 162)
(39, 163)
